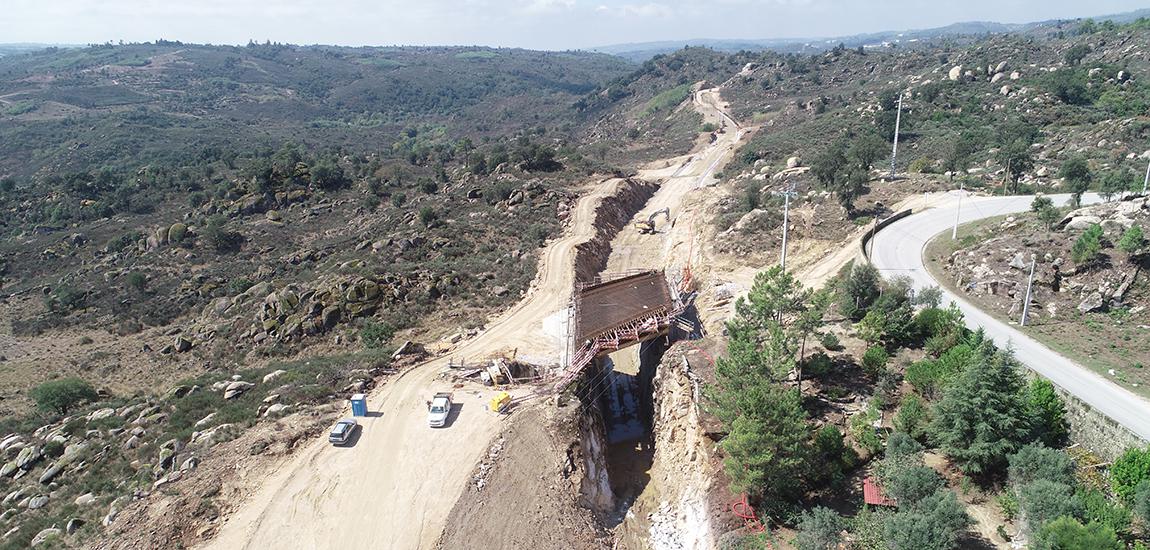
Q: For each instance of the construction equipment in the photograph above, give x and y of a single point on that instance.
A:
(648, 227)
(501, 402)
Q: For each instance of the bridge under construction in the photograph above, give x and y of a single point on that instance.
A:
(618, 312)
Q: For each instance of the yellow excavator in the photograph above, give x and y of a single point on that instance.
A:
(647, 227)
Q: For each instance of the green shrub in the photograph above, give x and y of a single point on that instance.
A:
(61, 396)
(1096, 507)
(1043, 500)
(909, 485)
(220, 238)
(137, 280)
(1045, 211)
(751, 196)
(123, 241)
(1132, 468)
(1067, 532)
(64, 299)
(1088, 246)
(819, 529)
(912, 418)
(858, 291)
(922, 165)
(817, 365)
(874, 360)
(1069, 86)
(830, 341)
(1047, 413)
(239, 286)
(931, 297)
(936, 522)
(1008, 504)
(427, 216)
(53, 449)
(939, 329)
(832, 457)
(1132, 240)
(376, 335)
(1141, 506)
(499, 192)
(1033, 462)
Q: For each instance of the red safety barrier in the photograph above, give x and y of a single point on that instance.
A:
(746, 512)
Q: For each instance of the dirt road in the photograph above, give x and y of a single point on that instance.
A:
(396, 485)
(673, 242)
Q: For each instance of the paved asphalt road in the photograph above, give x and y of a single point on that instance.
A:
(898, 250)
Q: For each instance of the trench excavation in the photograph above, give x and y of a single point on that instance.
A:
(618, 394)
(623, 325)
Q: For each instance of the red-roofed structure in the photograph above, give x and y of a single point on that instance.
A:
(873, 493)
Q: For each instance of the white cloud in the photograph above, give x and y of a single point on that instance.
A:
(547, 6)
(648, 10)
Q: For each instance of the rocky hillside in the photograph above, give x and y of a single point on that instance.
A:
(199, 219)
(170, 101)
(1003, 114)
(212, 236)
(1090, 281)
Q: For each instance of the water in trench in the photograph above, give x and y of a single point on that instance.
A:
(627, 406)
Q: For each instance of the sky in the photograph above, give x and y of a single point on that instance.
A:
(536, 24)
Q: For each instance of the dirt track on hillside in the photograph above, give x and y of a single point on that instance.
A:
(395, 487)
(674, 244)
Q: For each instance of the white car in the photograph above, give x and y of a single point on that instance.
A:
(438, 409)
(342, 431)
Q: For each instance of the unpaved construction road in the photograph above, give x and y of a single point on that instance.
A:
(395, 487)
(674, 243)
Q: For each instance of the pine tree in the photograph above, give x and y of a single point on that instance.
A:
(768, 445)
(1048, 415)
(982, 418)
(774, 297)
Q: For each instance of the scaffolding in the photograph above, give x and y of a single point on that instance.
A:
(614, 313)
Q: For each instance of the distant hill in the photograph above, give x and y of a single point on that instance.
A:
(641, 51)
(145, 101)
(19, 48)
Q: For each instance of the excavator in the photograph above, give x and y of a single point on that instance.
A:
(648, 227)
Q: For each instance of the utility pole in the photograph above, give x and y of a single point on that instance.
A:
(958, 213)
(897, 123)
(1146, 180)
(786, 224)
(1029, 286)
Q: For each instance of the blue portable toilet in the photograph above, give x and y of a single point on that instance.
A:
(359, 405)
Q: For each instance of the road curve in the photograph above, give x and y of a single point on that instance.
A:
(898, 250)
